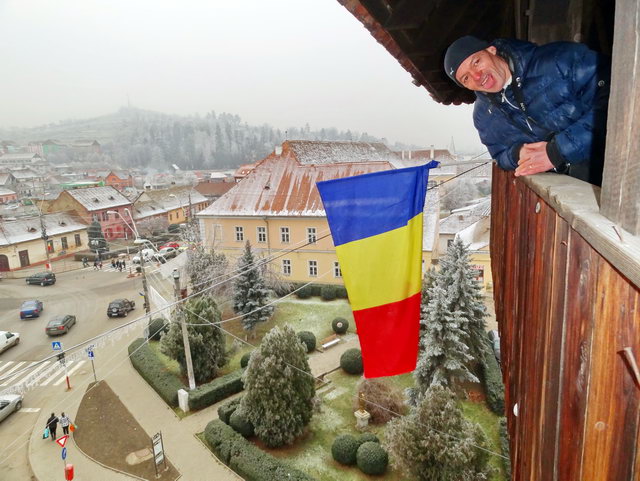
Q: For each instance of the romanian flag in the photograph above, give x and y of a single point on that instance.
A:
(376, 224)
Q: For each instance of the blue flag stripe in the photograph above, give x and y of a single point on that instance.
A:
(367, 205)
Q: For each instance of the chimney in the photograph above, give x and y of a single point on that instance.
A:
(278, 150)
(433, 153)
(403, 155)
(409, 155)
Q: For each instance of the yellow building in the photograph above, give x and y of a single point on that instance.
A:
(277, 208)
(173, 204)
(22, 244)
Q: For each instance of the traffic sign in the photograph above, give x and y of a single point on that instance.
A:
(62, 440)
(64, 453)
(56, 346)
(90, 354)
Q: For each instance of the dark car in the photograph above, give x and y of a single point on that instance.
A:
(120, 307)
(60, 325)
(31, 309)
(42, 278)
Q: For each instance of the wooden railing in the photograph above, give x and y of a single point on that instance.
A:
(568, 305)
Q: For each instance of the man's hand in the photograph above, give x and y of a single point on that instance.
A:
(533, 159)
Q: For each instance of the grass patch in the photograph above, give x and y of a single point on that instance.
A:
(171, 365)
(488, 421)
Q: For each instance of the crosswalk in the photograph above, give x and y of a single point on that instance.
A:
(108, 268)
(48, 373)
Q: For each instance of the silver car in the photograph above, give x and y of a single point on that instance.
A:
(9, 403)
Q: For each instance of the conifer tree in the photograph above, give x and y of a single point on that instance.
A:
(97, 242)
(250, 292)
(435, 443)
(464, 295)
(207, 342)
(279, 388)
(444, 354)
(205, 269)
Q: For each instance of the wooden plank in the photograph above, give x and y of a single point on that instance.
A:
(582, 273)
(620, 193)
(614, 397)
(409, 14)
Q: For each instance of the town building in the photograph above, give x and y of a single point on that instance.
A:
(7, 196)
(277, 208)
(176, 204)
(119, 179)
(25, 241)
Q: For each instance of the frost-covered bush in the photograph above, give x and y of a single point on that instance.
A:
(340, 325)
(351, 361)
(344, 449)
(308, 339)
(382, 399)
(372, 458)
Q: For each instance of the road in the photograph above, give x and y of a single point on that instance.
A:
(84, 293)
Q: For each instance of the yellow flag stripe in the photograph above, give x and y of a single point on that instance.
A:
(383, 268)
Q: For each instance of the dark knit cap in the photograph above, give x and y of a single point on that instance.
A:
(460, 50)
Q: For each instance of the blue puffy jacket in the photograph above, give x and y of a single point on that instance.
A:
(565, 88)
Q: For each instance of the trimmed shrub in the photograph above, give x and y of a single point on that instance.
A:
(157, 327)
(216, 390)
(246, 459)
(367, 438)
(351, 361)
(504, 444)
(240, 424)
(328, 293)
(341, 292)
(340, 325)
(153, 370)
(372, 459)
(381, 399)
(492, 377)
(344, 449)
(244, 360)
(227, 409)
(308, 339)
(305, 293)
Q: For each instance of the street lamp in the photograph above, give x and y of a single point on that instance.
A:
(185, 334)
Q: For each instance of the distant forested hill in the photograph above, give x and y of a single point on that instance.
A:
(137, 138)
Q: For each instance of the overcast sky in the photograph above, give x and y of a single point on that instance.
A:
(282, 62)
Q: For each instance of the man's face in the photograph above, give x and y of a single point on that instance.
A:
(483, 71)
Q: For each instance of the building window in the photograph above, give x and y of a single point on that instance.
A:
(449, 243)
(65, 246)
(337, 272)
(479, 272)
(262, 234)
(239, 233)
(286, 267)
(217, 232)
(94, 217)
(105, 216)
(170, 217)
(50, 246)
(313, 268)
(284, 235)
(311, 235)
(78, 240)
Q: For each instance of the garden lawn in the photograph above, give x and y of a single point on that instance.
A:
(311, 314)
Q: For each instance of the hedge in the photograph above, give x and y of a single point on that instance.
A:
(227, 409)
(351, 361)
(152, 370)
(246, 459)
(504, 444)
(328, 293)
(216, 390)
(244, 360)
(308, 339)
(344, 449)
(492, 377)
(372, 458)
(240, 424)
(157, 327)
(337, 291)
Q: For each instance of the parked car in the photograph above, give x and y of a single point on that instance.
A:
(166, 253)
(31, 309)
(60, 325)
(42, 278)
(175, 245)
(8, 339)
(494, 337)
(147, 253)
(120, 307)
(9, 403)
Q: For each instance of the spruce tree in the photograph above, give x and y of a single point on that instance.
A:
(279, 388)
(464, 295)
(207, 342)
(444, 354)
(435, 443)
(97, 242)
(250, 292)
(206, 270)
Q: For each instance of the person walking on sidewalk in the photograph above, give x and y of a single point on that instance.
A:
(52, 424)
(65, 422)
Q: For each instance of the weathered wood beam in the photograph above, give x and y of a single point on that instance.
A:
(409, 14)
(378, 9)
(621, 178)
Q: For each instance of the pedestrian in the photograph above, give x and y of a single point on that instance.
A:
(65, 422)
(100, 265)
(113, 263)
(124, 265)
(85, 262)
(95, 265)
(538, 108)
(52, 424)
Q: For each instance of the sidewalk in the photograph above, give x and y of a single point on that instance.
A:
(183, 448)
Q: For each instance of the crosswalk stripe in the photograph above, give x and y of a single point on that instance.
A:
(55, 369)
(14, 368)
(69, 373)
(28, 374)
(29, 410)
(13, 378)
(6, 365)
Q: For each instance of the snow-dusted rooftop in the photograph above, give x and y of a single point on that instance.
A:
(98, 198)
(321, 152)
(431, 214)
(29, 228)
(477, 235)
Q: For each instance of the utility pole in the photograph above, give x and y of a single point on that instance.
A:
(145, 286)
(45, 238)
(185, 333)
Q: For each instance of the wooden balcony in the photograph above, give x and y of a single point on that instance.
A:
(567, 301)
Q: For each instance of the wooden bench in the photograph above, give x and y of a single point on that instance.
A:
(329, 341)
